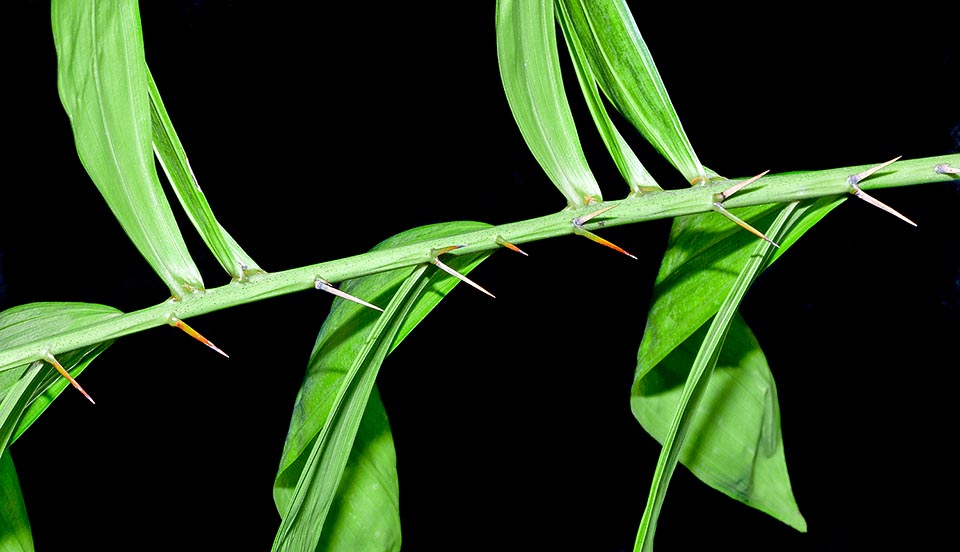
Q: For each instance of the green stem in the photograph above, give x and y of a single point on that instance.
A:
(658, 205)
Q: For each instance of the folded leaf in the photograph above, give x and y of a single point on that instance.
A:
(530, 71)
(638, 178)
(343, 352)
(705, 256)
(102, 79)
(735, 440)
(174, 161)
(624, 68)
(724, 455)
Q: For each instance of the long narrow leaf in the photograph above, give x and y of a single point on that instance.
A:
(698, 379)
(304, 519)
(102, 79)
(530, 71)
(627, 74)
(637, 177)
(15, 535)
(703, 257)
(738, 452)
(176, 166)
(339, 344)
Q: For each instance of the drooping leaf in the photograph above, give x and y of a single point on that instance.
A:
(624, 68)
(339, 348)
(173, 159)
(102, 79)
(365, 512)
(637, 177)
(530, 72)
(15, 535)
(703, 257)
(724, 458)
(706, 256)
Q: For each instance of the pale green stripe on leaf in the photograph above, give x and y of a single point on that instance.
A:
(638, 179)
(339, 344)
(625, 70)
(15, 535)
(365, 514)
(530, 71)
(734, 443)
(703, 257)
(173, 159)
(305, 517)
(102, 79)
(698, 379)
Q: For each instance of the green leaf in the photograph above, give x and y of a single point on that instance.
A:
(734, 439)
(530, 71)
(32, 323)
(176, 166)
(704, 255)
(339, 352)
(365, 513)
(725, 457)
(624, 68)
(15, 535)
(305, 517)
(102, 79)
(637, 177)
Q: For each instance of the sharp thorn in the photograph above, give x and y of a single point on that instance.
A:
(324, 285)
(855, 179)
(597, 239)
(510, 246)
(52, 360)
(176, 322)
(879, 204)
(580, 221)
(720, 209)
(461, 277)
(724, 195)
(945, 168)
(441, 250)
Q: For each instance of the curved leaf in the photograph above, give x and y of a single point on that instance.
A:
(638, 178)
(102, 79)
(703, 257)
(176, 166)
(738, 451)
(623, 66)
(530, 71)
(727, 454)
(342, 357)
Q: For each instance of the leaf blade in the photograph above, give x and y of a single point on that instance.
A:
(530, 71)
(173, 159)
(343, 332)
(626, 72)
(101, 78)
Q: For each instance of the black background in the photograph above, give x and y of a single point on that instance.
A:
(317, 132)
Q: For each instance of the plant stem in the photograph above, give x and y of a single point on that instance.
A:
(658, 205)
